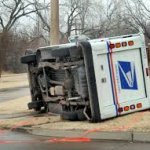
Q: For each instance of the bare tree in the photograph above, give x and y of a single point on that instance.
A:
(42, 20)
(13, 10)
(10, 13)
(138, 15)
(101, 21)
(71, 12)
(42, 11)
(84, 7)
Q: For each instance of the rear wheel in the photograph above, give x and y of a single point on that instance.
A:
(76, 115)
(37, 109)
(72, 116)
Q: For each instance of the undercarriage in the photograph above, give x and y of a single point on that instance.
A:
(58, 81)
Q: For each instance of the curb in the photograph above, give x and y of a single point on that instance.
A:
(117, 136)
(141, 137)
(103, 135)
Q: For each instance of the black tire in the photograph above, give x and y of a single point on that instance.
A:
(62, 52)
(28, 59)
(37, 109)
(81, 116)
(72, 116)
(54, 108)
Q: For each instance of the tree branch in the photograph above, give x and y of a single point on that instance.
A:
(1, 22)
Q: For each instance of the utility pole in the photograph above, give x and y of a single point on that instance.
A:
(54, 32)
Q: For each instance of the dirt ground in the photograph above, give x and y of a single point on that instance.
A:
(133, 122)
(15, 106)
(139, 121)
(13, 80)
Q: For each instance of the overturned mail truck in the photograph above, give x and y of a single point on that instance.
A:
(91, 79)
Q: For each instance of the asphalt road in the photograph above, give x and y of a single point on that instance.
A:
(13, 93)
(19, 141)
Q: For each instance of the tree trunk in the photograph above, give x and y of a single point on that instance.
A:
(54, 33)
(4, 43)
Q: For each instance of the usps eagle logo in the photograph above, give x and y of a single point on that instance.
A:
(127, 75)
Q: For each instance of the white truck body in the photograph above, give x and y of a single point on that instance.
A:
(122, 75)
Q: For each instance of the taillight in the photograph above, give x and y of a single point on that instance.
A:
(124, 44)
(126, 108)
(139, 105)
(130, 43)
(118, 45)
(132, 107)
(111, 46)
(120, 110)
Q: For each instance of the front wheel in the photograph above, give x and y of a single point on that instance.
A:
(27, 59)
